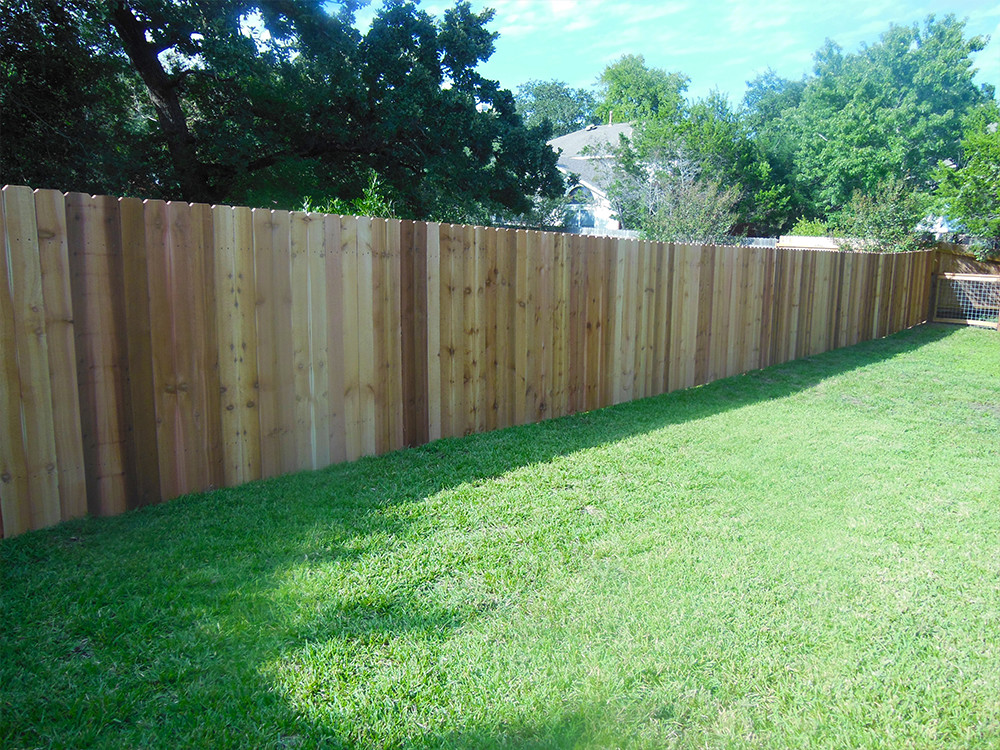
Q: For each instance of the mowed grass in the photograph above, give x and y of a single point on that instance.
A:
(806, 556)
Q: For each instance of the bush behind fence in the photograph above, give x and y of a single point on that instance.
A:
(151, 349)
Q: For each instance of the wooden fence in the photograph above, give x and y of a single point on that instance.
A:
(151, 349)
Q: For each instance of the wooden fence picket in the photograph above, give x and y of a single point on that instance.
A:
(151, 349)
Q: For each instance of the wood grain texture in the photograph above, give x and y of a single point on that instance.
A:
(53, 255)
(335, 321)
(136, 279)
(15, 499)
(188, 346)
(32, 353)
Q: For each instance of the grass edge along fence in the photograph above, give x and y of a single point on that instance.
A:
(149, 349)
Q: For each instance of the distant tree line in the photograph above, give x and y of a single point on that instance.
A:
(870, 142)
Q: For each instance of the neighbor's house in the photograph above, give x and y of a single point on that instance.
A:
(586, 154)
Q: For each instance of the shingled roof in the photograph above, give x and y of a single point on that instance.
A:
(597, 139)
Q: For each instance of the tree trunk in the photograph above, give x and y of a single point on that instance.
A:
(191, 173)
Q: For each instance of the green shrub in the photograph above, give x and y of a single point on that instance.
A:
(810, 228)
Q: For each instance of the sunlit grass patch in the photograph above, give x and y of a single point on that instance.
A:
(803, 556)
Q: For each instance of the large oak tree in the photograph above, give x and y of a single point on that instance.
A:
(265, 102)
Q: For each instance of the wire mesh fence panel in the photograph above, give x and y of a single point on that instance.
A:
(972, 299)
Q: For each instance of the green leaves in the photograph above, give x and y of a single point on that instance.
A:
(890, 111)
(565, 109)
(884, 220)
(970, 190)
(266, 102)
(632, 91)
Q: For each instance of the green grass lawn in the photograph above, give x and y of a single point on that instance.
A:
(806, 556)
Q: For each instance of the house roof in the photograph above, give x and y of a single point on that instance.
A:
(588, 166)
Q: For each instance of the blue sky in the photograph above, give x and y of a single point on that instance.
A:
(716, 43)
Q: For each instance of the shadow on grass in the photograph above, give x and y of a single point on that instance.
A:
(169, 625)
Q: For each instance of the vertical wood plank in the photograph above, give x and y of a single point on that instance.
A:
(32, 355)
(96, 267)
(350, 302)
(524, 336)
(446, 288)
(755, 257)
(609, 331)
(394, 340)
(664, 319)
(560, 327)
(15, 499)
(490, 367)
(53, 253)
(143, 429)
(595, 266)
(628, 299)
(160, 282)
(877, 304)
(247, 390)
(685, 317)
(265, 303)
(735, 338)
(452, 279)
(198, 461)
(703, 335)
(647, 280)
(796, 281)
(335, 322)
(768, 307)
(415, 346)
(284, 344)
(409, 331)
(319, 339)
(207, 363)
(434, 331)
(366, 336)
(577, 323)
(844, 299)
(507, 348)
(542, 373)
(930, 261)
(304, 402)
(721, 300)
(380, 333)
(230, 339)
(470, 332)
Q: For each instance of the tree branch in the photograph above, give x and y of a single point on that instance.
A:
(191, 173)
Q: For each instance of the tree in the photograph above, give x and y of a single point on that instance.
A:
(890, 111)
(715, 136)
(667, 196)
(271, 101)
(631, 91)
(767, 103)
(767, 98)
(884, 220)
(969, 191)
(564, 108)
(63, 97)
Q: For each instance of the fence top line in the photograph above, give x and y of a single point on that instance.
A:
(542, 232)
(970, 276)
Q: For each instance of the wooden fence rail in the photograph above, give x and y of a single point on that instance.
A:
(150, 349)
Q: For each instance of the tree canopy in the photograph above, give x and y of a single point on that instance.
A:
(565, 109)
(276, 102)
(892, 110)
(970, 188)
(855, 138)
(264, 102)
(630, 90)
